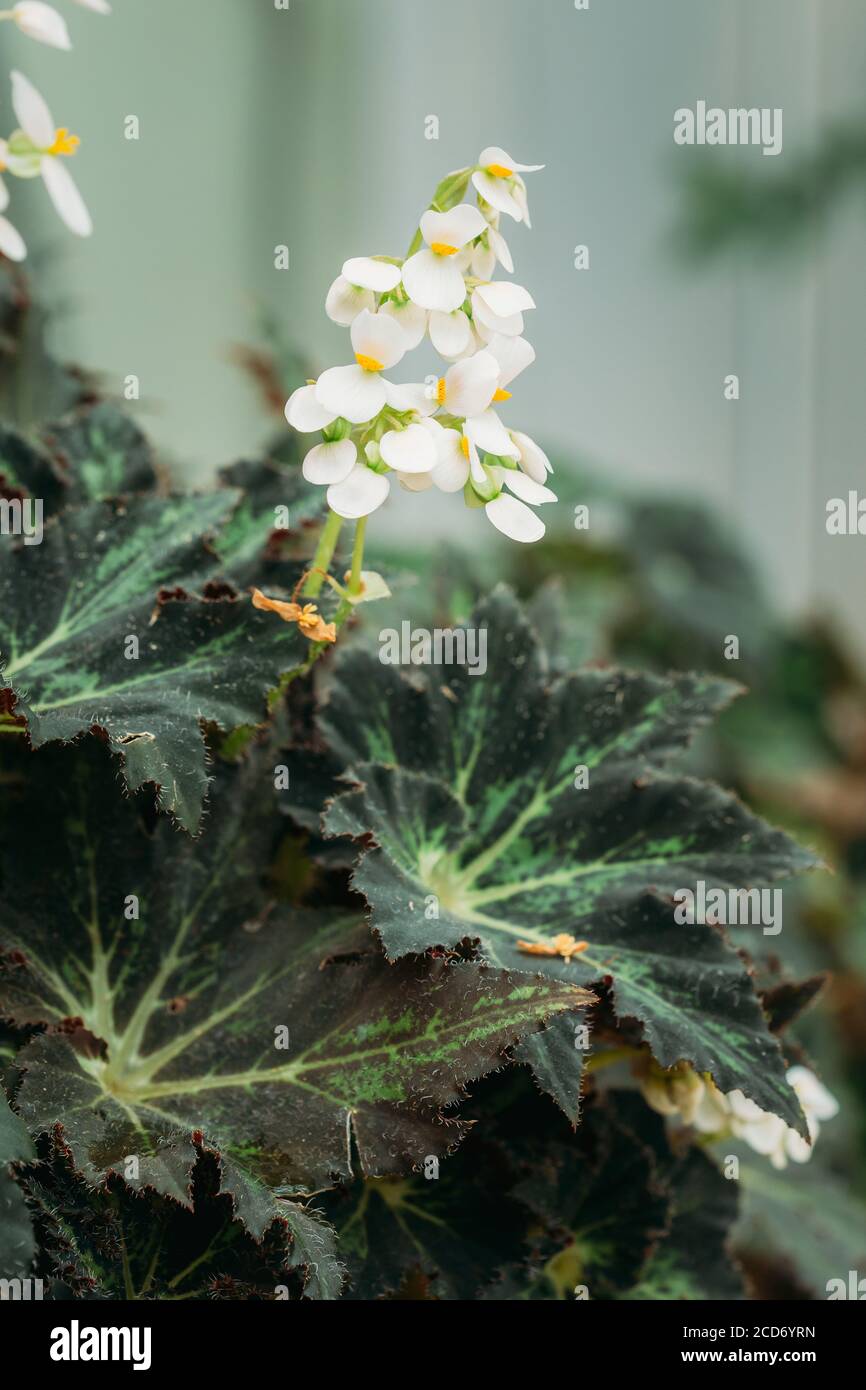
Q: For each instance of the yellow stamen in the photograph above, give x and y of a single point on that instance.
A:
(441, 390)
(64, 143)
(464, 444)
(443, 249)
(499, 171)
(369, 363)
(502, 395)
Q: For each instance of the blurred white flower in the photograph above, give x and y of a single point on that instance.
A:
(700, 1103)
(499, 183)
(39, 147)
(11, 241)
(433, 278)
(41, 22)
(358, 392)
(98, 6)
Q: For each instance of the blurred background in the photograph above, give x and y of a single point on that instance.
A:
(306, 127)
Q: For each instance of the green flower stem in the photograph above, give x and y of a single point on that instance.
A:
(358, 555)
(324, 554)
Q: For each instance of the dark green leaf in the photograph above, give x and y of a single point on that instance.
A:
(468, 788)
(69, 607)
(191, 998)
(17, 1245)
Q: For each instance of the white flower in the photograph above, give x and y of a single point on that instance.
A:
(98, 6)
(356, 287)
(371, 274)
(531, 458)
(514, 519)
(359, 494)
(42, 22)
(522, 486)
(410, 450)
(38, 149)
(305, 414)
(513, 355)
(499, 183)
(487, 432)
(469, 386)
(700, 1103)
(358, 393)
(331, 462)
(411, 318)
(490, 250)
(346, 301)
(431, 278)
(497, 308)
(11, 241)
(451, 334)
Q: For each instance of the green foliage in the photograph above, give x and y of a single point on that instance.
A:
(326, 1045)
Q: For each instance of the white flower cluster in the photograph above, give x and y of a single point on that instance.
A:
(445, 432)
(38, 147)
(699, 1103)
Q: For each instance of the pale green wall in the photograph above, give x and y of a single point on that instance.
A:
(307, 127)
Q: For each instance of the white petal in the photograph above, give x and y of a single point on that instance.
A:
(463, 223)
(344, 302)
(414, 395)
(360, 494)
(330, 463)
(503, 298)
(305, 412)
(497, 193)
(450, 334)
(411, 318)
(65, 196)
(452, 470)
(378, 337)
(33, 115)
(521, 200)
(533, 460)
(484, 262)
(371, 274)
(499, 247)
(4, 191)
(409, 451)
(40, 21)
(487, 323)
(11, 241)
(415, 482)
(434, 282)
(524, 487)
(796, 1147)
(494, 154)
(514, 355)
(813, 1097)
(514, 519)
(98, 6)
(487, 432)
(470, 385)
(351, 392)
